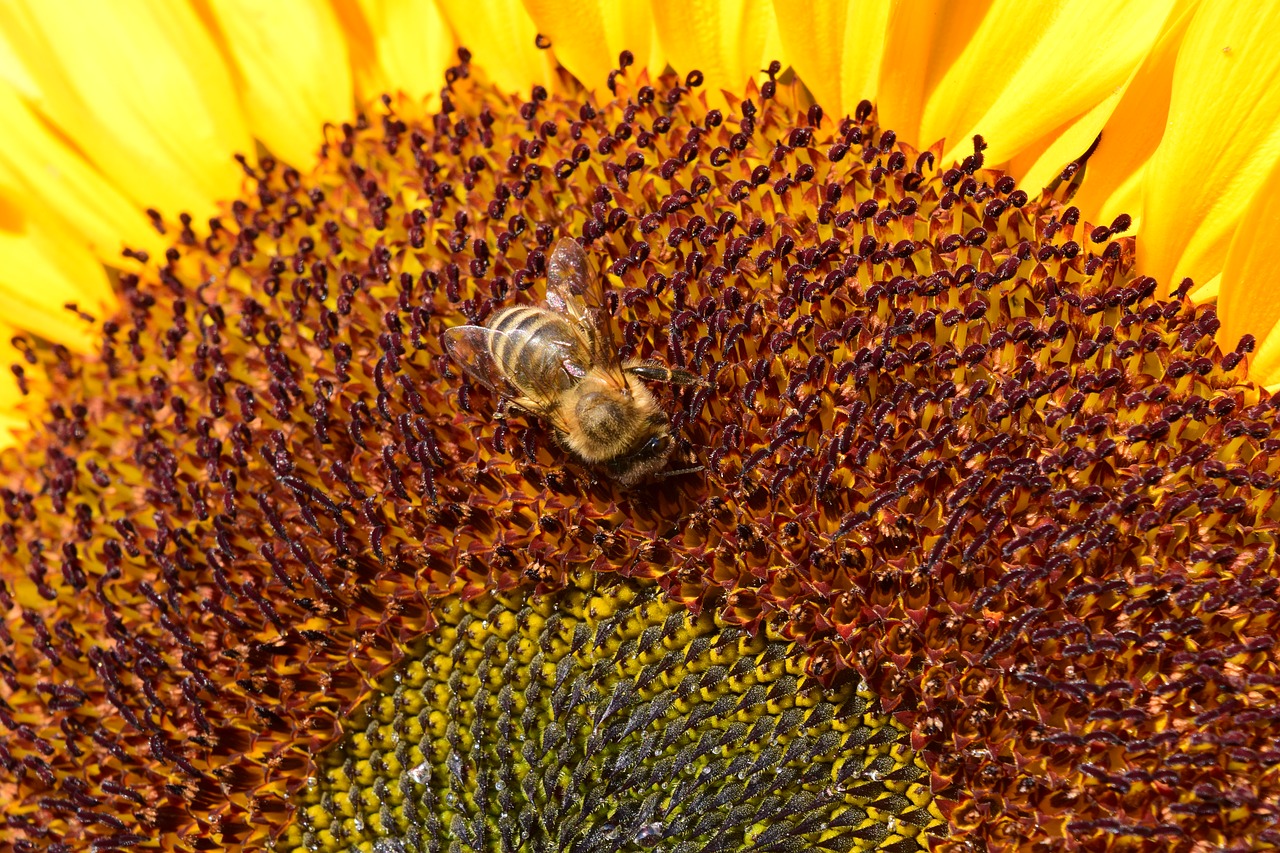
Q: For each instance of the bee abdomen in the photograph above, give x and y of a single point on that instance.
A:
(530, 342)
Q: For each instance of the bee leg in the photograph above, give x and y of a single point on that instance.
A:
(656, 372)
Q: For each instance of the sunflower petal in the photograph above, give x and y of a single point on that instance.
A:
(931, 35)
(631, 26)
(397, 45)
(292, 70)
(1264, 367)
(1207, 292)
(1102, 125)
(503, 40)
(1221, 139)
(1040, 163)
(140, 87)
(1113, 181)
(836, 48)
(41, 270)
(1032, 67)
(589, 35)
(1249, 290)
(575, 28)
(40, 165)
(728, 41)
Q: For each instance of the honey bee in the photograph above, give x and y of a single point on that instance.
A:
(561, 364)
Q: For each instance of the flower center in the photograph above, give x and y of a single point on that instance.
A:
(610, 719)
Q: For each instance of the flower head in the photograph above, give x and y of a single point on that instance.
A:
(605, 717)
(963, 466)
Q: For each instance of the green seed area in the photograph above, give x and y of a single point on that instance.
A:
(605, 719)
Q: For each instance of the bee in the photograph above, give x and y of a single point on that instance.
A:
(561, 364)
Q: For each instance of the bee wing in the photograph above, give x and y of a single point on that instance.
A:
(570, 282)
(469, 347)
(574, 291)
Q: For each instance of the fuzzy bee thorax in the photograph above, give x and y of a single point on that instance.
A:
(610, 422)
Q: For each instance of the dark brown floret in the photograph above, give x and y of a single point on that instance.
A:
(954, 443)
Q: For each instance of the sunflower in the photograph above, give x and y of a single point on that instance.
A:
(979, 548)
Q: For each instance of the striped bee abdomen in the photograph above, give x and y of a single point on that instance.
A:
(532, 346)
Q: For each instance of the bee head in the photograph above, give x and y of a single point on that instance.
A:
(647, 454)
(645, 460)
(626, 435)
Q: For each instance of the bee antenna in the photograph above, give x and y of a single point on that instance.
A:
(677, 472)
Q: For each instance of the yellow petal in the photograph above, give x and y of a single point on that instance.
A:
(1207, 291)
(1113, 180)
(1040, 163)
(41, 270)
(40, 166)
(836, 48)
(502, 39)
(1113, 124)
(397, 46)
(575, 28)
(1221, 138)
(923, 41)
(140, 88)
(1249, 292)
(1032, 67)
(1264, 367)
(289, 60)
(631, 26)
(729, 41)
(588, 35)
(13, 72)
(1061, 146)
